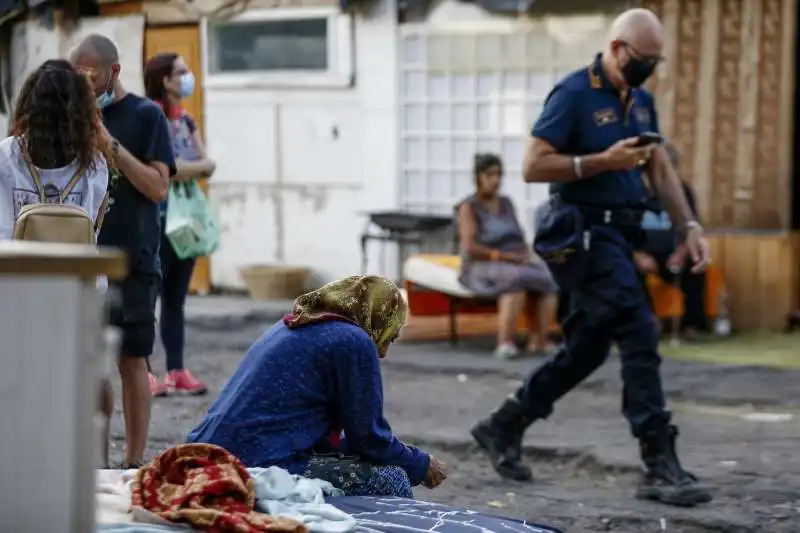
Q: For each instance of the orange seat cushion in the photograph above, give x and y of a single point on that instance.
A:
(668, 298)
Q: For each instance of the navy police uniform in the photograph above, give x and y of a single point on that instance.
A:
(588, 237)
(585, 115)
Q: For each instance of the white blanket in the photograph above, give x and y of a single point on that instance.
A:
(279, 493)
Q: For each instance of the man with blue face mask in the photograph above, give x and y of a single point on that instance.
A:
(137, 132)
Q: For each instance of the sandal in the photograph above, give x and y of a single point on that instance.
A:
(505, 352)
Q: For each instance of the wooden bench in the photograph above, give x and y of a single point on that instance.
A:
(432, 287)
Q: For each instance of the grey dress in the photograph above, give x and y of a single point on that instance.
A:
(501, 231)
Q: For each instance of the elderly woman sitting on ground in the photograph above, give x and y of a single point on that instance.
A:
(308, 395)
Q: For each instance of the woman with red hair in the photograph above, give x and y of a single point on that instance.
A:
(167, 81)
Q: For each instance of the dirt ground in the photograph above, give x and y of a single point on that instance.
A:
(740, 431)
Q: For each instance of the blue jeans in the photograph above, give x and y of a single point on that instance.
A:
(175, 277)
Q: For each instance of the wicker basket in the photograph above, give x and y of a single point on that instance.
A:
(275, 282)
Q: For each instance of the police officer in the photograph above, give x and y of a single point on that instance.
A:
(587, 142)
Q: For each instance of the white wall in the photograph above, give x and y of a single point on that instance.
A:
(471, 82)
(297, 168)
(32, 44)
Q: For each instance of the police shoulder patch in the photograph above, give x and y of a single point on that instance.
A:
(605, 117)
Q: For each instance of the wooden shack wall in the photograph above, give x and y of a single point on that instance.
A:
(761, 274)
(725, 98)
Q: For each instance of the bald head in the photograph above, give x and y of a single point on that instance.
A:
(635, 45)
(97, 56)
(639, 28)
(95, 47)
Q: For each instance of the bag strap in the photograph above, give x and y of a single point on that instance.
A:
(101, 214)
(37, 180)
(35, 175)
(71, 184)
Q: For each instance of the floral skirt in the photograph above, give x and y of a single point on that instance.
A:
(359, 478)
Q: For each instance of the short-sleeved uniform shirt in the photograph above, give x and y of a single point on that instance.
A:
(133, 221)
(584, 114)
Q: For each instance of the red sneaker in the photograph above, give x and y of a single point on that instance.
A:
(183, 382)
(157, 387)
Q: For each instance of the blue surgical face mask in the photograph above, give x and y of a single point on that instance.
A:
(107, 98)
(187, 85)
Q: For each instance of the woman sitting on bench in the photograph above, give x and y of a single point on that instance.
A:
(496, 261)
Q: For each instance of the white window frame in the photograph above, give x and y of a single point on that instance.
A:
(340, 71)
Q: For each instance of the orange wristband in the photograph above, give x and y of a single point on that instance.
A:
(495, 255)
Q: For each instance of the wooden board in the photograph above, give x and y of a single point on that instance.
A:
(725, 97)
(185, 41)
(762, 275)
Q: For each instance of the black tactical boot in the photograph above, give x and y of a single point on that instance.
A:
(665, 480)
(500, 435)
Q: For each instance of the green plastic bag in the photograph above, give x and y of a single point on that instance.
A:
(191, 227)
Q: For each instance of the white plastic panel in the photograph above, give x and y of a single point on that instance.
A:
(477, 89)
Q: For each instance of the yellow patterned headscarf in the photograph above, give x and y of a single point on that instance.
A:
(373, 303)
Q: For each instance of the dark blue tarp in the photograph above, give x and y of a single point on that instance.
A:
(401, 515)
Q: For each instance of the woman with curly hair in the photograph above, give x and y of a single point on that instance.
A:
(167, 81)
(56, 133)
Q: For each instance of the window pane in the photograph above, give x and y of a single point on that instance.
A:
(300, 44)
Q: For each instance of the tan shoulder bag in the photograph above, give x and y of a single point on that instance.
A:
(57, 222)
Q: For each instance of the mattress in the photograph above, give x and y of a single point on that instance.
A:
(436, 272)
(401, 515)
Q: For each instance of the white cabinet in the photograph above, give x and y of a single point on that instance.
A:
(52, 359)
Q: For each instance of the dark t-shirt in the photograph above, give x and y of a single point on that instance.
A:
(133, 221)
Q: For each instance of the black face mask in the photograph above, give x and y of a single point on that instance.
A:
(636, 71)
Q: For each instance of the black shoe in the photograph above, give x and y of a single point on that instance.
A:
(500, 436)
(665, 480)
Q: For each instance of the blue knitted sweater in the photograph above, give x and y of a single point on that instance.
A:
(293, 387)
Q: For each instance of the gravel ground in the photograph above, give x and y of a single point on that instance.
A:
(584, 458)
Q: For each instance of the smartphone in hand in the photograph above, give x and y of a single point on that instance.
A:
(647, 138)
